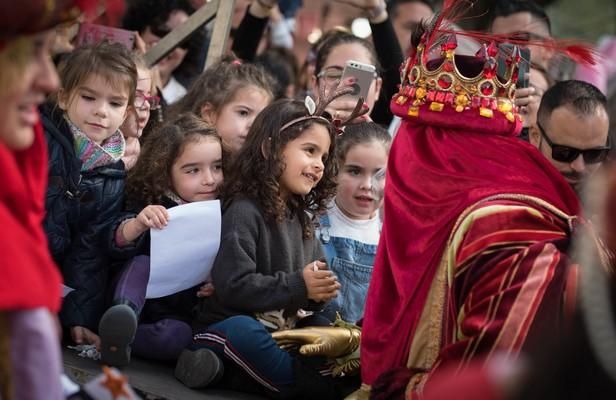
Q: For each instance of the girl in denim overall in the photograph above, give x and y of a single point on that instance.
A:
(350, 229)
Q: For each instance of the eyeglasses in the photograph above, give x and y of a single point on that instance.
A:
(331, 75)
(569, 154)
(142, 101)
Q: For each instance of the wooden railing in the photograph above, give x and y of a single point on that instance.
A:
(219, 10)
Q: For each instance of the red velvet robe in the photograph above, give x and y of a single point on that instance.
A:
(434, 301)
(28, 276)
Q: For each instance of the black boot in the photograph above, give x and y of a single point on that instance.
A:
(117, 329)
(199, 368)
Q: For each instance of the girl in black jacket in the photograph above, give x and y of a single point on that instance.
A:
(180, 163)
(86, 175)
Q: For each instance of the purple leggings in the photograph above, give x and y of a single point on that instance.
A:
(162, 340)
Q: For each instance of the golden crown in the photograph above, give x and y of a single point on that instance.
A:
(434, 86)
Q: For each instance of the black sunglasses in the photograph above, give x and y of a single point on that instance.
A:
(569, 154)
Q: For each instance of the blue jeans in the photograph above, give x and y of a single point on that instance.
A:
(244, 342)
(352, 262)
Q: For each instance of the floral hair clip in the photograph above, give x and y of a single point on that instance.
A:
(317, 110)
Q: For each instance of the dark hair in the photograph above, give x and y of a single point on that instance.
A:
(254, 176)
(150, 179)
(153, 14)
(336, 39)
(112, 61)
(218, 85)
(281, 64)
(363, 132)
(505, 8)
(311, 58)
(611, 108)
(392, 5)
(582, 97)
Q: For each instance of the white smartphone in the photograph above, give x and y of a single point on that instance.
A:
(363, 75)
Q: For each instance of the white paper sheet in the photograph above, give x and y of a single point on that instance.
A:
(182, 254)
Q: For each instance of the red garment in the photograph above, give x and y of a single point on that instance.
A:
(508, 279)
(28, 276)
(39, 15)
(474, 384)
(440, 164)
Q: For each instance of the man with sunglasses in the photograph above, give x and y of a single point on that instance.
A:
(572, 130)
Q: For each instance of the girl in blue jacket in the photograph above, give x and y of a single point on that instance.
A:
(86, 175)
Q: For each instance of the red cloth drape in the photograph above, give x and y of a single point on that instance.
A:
(439, 165)
(28, 276)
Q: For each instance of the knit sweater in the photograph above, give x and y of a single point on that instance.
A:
(258, 267)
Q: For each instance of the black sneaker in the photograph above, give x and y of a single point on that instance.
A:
(117, 331)
(199, 368)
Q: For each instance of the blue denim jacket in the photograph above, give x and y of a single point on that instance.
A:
(352, 262)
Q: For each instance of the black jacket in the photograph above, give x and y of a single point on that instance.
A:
(80, 207)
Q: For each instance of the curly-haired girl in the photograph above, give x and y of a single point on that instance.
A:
(268, 268)
(180, 163)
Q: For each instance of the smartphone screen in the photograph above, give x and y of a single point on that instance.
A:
(524, 68)
(523, 65)
(362, 76)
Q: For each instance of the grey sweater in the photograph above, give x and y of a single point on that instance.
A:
(258, 267)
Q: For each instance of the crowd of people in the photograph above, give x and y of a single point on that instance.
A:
(422, 241)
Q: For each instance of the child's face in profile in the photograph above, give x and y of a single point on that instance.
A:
(356, 194)
(234, 119)
(139, 115)
(304, 159)
(97, 107)
(19, 100)
(197, 172)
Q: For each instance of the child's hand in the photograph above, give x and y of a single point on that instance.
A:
(206, 290)
(150, 217)
(153, 217)
(321, 283)
(81, 335)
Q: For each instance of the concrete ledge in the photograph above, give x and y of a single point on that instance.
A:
(152, 380)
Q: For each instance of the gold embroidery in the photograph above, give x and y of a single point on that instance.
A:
(427, 339)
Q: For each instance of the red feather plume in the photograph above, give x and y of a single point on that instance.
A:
(453, 11)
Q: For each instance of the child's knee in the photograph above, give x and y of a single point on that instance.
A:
(169, 330)
(241, 327)
(167, 338)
